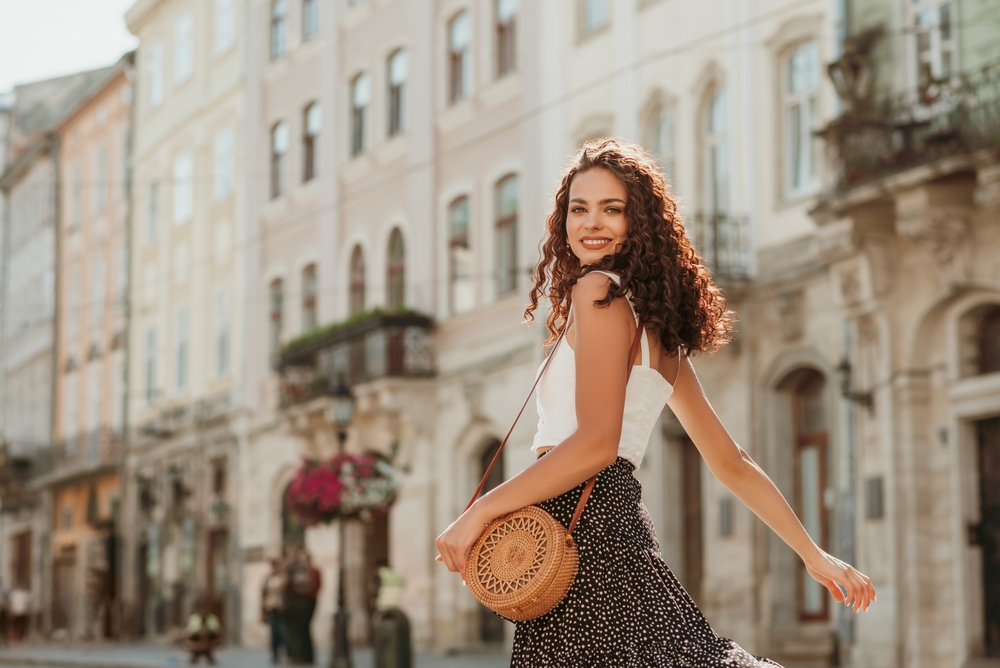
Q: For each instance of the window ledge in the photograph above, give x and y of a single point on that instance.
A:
(792, 199)
(455, 115)
(583, 35)
(976, 387)
(393, 148)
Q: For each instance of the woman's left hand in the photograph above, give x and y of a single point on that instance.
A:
(457, 539)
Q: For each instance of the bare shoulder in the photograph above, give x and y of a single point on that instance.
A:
(590, 288)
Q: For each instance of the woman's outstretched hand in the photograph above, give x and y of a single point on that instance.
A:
(830, 572)
(457, 539)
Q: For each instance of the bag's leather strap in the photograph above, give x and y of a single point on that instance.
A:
(593, 479)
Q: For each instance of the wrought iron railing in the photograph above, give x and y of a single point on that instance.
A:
(372, 346)
(87, 450)
(724, 243)
(917, 126)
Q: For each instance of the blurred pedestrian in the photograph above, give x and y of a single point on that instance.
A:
(272, 608)
(4, 616)
(20, 609)
(204, 630)
(300, 605)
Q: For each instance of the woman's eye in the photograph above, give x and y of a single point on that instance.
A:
(577, 209)
(613, 209)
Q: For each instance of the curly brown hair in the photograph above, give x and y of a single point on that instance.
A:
(670, 287)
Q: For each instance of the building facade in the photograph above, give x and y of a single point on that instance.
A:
(186, 295)
(91, 300)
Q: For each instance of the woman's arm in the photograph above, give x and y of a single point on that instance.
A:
(734, 468)
(601, 344)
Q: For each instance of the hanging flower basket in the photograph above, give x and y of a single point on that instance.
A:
(346, 485)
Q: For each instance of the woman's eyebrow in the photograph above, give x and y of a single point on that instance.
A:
(606, 200)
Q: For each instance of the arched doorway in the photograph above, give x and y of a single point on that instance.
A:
(293, 534)
(491, 626)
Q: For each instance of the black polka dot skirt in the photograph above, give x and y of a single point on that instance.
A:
(625, 608)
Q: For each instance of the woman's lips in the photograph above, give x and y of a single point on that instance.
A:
(595, 243)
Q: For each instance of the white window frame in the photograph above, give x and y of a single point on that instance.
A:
(715, 143)
(183, 47)
(152, 211)
(222, 340)
(183, 188)
(924, 22)
(801, 151)
(71, 397)
(460, 37)
(154, 75)
(397, 70)
(225, 164)
(310, 19)
(225, 26)
(594, 15)
(98, 291)
(182, 349)
(149, 369)
(361, 95)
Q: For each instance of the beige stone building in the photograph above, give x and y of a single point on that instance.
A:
(91, 295)
(186, 296)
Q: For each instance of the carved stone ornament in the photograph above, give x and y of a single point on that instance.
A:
(791, 314)
(947, 233)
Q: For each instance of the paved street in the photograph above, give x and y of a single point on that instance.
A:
(154, 656)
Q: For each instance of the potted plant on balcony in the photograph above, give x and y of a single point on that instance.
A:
(344, 486)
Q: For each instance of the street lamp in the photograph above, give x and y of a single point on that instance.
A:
(342, 413)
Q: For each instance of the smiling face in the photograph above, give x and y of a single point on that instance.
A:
(595, 219)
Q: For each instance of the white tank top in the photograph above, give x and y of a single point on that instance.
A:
(645, 396)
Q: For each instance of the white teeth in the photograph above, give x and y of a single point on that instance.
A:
(595, 242)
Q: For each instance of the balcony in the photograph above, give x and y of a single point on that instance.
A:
(912, 128)
(371, 345)
(723, 241)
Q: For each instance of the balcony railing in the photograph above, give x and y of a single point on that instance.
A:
(723, 241)
(86, 451)
(366, 347)
(916, 127)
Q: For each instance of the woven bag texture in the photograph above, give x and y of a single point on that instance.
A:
(523, 564)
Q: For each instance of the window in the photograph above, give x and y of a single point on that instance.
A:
(810, 481)
(396, 272)
(71, 418)
(98, 292)
(506, 14)
(221, 335)
(309, 298)
(988, 339)
(117, 392)
(462, 287)
(73, 305)
(279, 147)
(101, 182)
(356, 302)
(312, 123)
(276, 298)
(183, 188)
(224, 164)
(225, 25)
(361, 92)
(310, 18)
(152, 215)
(716, 154)
(76, 198)
(934, 45)
(459, 56)
(182, 349)
(154, 75)
(801, 94)
(121, 283)
(183, 47)
(596, 15)
(279, 28)
(506, 196)
(398, 71)
(95, 396)
(150, 366)
(661, 137)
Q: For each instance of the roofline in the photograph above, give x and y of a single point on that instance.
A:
(121, 67)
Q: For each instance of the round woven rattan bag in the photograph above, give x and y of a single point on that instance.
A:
(523, 564)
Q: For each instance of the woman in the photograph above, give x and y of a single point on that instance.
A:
(617, 259)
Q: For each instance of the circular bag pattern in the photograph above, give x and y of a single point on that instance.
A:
(523, 564)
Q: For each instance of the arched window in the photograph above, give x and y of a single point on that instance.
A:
(506, 196)
(309, 298)
(361, 93)
(310, 18)
(279, 28)
(279, 148)
(988, 339)
(398, 67)
(357, 281)
(459, 57)
(660, 136)
(811, 435)
(396, 271)
(461, 286)
(715, 153)
(800, 94)
(312, 123)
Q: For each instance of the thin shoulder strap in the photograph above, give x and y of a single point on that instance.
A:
(593, 479)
